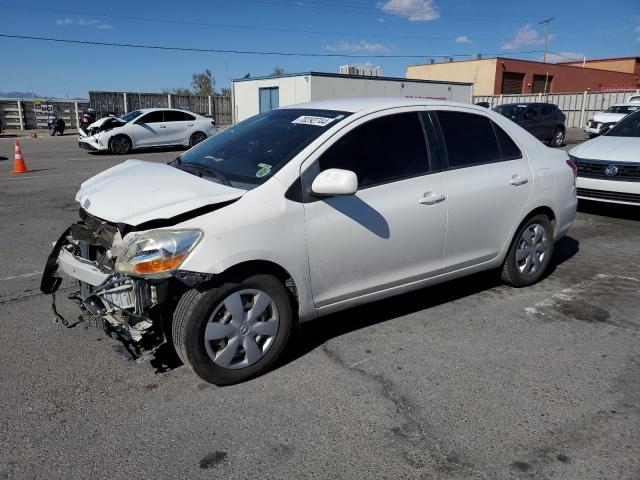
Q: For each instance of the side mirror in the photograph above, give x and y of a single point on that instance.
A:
(335, 181)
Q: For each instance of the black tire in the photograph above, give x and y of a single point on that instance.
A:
(120, 145)
(196, 138)
(52, 131)
(557, 139)
(192, 315)
(511, 273)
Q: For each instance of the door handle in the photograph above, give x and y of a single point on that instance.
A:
(163, 126)
(431, 198)
(517, 180)
(189, 124)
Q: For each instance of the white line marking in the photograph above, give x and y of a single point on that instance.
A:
(52, 175)
(23, 275)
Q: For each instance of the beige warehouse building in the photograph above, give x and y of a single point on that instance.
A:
(495, 76)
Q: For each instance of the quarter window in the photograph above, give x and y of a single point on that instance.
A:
(382, 150)
(508, 149)
(469, 139)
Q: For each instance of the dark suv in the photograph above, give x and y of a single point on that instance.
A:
(544, 121)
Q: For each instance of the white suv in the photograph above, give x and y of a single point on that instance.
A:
(300, 212)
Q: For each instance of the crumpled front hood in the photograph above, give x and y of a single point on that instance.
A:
(608, 117)
(137, 191)
(615, 149)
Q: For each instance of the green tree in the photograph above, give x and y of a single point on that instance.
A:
(277, 71)
(203, 83)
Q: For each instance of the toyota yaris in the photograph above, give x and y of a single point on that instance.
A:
(300, 212)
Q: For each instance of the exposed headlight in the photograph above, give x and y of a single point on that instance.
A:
(157, 253)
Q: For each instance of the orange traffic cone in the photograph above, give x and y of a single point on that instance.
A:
(18, 164)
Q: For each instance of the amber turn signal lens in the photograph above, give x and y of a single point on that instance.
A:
(159, 265)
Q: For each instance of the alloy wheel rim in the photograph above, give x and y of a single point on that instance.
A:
(120, 145)
(559, 137)
(533, 248)
(241, 329)
(197, 138)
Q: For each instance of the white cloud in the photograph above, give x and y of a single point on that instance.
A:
(83, 22)
(361, 46)
(463, 39)
(526, 36)
(564, 57)
(421, 10)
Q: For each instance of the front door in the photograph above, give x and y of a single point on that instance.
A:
(148, 130)
(391, 232)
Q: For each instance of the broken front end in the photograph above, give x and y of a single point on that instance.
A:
(127, 280)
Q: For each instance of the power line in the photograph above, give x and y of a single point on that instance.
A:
(231, 26)
(244, 52)
(219, 50)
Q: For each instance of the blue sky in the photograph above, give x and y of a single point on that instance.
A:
(356, 27)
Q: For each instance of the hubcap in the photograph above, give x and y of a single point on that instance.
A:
(241, 329)
(120, 145)
(559, 137)
(532, 250)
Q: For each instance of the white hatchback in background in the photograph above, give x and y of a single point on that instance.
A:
(147, 127)
(603, 121)
(307, 210)
(609, 166)
(633, 99)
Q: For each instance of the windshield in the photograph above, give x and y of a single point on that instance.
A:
(627, 127)
(127, 117)
(511, 111)
(622, 109)
(249, 153)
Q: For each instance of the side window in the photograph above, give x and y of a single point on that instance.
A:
(152, 117)
(382, 150)
(545, 110)
(469, 139)
(174, 116)
(508, 149)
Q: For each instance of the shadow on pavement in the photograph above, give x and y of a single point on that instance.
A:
(313, 334)
(628, 212)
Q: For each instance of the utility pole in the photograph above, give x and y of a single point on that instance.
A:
(546, 36)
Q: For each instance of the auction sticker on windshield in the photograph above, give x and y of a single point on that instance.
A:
(311, 120)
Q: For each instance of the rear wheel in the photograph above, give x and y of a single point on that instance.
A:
(120, 145)
(530, 252)
(196, 138)
(235, 331)
(557, 140)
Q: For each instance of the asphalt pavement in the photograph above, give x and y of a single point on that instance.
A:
(469, 379)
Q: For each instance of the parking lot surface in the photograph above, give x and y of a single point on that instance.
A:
(469, 379)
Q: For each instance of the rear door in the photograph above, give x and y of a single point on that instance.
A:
(547, 121)
(531, 121)
(178, 127)
(488, 182)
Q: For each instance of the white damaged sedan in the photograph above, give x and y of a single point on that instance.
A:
(147, 127)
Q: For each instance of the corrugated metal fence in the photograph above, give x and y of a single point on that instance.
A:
(32, 114)
(578, 107)
(216, 106)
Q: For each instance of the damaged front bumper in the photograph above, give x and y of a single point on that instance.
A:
(132, 309)
(91, 142)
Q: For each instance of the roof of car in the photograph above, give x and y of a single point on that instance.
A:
(145, 110)
(527, 103)
(358, 104)
(625, 104)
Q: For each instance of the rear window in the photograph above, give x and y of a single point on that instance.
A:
(469, 138)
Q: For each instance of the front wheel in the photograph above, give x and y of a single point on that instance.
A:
(120, 145)
(530, 253)
(235, 331)
(52, 131)
(557, 140)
